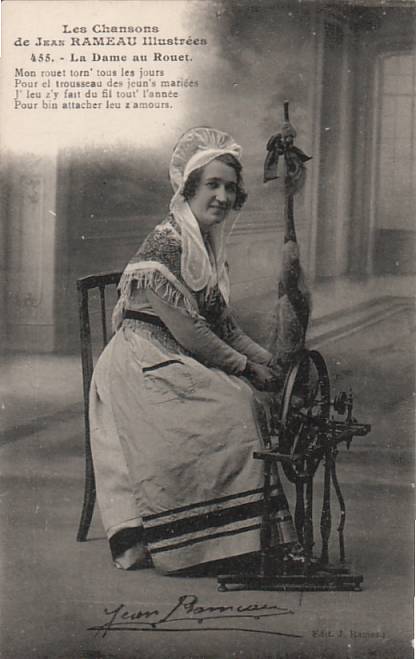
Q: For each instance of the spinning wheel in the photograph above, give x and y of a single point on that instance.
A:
(306, 426)
(308, 431)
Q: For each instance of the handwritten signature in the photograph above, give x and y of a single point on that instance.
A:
(188, 610)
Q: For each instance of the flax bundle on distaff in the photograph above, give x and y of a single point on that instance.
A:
(292, 310)
(173, 406)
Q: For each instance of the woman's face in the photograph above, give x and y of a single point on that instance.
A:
(215, 195)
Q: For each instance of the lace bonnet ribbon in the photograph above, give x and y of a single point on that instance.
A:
(195, 149)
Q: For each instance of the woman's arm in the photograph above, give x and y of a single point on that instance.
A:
(231, 333)
(194, 334)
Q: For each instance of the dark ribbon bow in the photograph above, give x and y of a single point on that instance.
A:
(282, 144)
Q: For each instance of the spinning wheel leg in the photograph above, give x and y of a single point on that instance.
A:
(308, 529)
(265, 529)
(300, 509)
(343, 512)
(326, 510)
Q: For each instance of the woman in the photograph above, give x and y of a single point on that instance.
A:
(174, 420)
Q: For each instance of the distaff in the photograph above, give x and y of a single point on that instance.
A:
(293, 306)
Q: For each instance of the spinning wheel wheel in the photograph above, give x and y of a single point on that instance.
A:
(304, 415)
(304, 418)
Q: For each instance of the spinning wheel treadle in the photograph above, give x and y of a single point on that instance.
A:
(306, 435)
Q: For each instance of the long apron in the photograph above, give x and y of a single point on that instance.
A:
(172, 444)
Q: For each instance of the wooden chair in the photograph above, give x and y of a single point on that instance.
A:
(84, 286)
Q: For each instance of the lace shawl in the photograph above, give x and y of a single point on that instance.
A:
(157, 266)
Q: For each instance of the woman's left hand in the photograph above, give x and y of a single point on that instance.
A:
(262, 377)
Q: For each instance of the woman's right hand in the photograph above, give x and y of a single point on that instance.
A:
(262, 377)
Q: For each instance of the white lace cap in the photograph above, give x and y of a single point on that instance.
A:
(195, 149)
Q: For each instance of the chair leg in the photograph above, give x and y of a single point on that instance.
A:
(89, 496)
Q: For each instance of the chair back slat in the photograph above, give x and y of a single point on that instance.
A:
(84, 286)
(85, 337)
